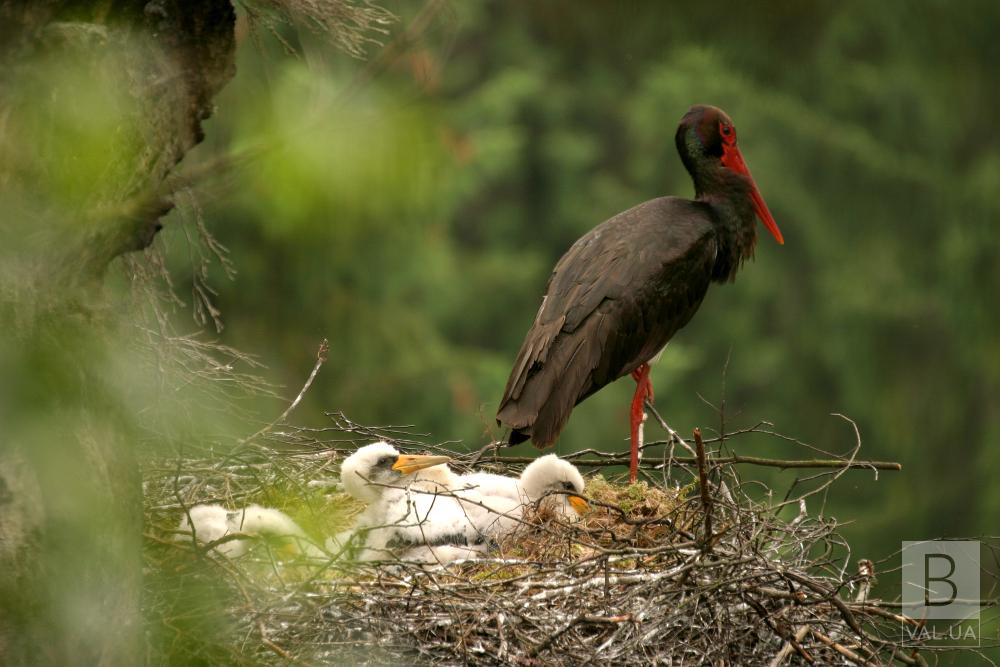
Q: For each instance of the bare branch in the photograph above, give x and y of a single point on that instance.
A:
(706, 499)
(321, 355)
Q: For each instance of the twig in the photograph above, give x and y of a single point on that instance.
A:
(673, 435)
(321, 354)
(789, 647)
(834, 464)
(277, 650)
(842, 650)
(583, 618)
(830, 595)
(391, 51)
(706, 499)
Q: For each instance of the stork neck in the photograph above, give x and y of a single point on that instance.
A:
(728, 196)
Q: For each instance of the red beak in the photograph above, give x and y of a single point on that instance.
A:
(733, 159)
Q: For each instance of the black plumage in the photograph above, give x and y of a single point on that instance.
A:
(624, 289)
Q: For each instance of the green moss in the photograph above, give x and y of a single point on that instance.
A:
(635, 498)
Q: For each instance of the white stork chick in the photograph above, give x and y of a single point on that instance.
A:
(270, 522)
(213, 522)
(548, 479)
(210, 524)
(413, 511)
(368, 472)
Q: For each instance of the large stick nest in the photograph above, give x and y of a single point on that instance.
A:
(637, 581)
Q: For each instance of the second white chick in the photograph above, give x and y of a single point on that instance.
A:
(213, 522)
(538, 481)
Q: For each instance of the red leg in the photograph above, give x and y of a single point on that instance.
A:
(641, 376)
(643, 390)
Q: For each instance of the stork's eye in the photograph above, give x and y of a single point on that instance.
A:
(728, 133)
(385, 460)
(568, 486)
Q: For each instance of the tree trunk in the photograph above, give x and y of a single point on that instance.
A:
(79, 186)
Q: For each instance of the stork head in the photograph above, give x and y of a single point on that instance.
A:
(367, 472)
(706, 142)
(550, 473)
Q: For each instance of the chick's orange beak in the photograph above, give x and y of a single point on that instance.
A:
(578, 504)
(408, 464)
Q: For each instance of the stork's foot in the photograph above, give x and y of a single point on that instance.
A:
(643, 391)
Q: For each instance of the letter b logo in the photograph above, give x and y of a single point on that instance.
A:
(929, 564)
(941, 579)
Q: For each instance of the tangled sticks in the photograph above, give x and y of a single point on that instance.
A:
(643, 583)
(638, 581)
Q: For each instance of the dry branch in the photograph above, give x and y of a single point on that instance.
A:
(785, 464)
(706, 499)
(321, 355)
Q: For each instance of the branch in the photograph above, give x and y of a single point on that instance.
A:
(706, 499)
(842, 650)
(673, 436)
(723, 460)
(324, 349)
(789, 647)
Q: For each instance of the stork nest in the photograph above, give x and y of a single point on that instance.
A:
(657, 573)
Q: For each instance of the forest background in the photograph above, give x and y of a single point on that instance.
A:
(406, 197)
(415, 223)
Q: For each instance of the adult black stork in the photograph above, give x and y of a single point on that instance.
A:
(624, 289)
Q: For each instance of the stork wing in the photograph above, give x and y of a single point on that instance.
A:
(614, 299)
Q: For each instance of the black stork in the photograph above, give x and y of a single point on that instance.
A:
(622, 291)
